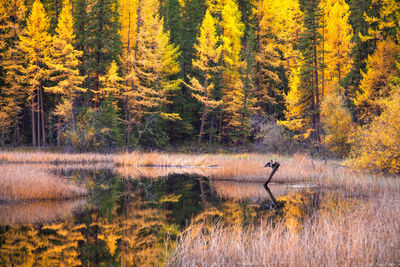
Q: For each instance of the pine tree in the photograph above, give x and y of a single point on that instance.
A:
(309, 78)
(81, 18)
(64, 66)
(12, 16)
(36, 43)
(208, 55)
(174, 22)
(233, 94)
(103, 39)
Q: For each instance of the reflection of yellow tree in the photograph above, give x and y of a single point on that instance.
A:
(54, 245)
(294, 210)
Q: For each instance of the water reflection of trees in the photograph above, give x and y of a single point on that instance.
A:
(129, 221)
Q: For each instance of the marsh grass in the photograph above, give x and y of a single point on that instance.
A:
(55, 158)
(365, 234)
(19, 182)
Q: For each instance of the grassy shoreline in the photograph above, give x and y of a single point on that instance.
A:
(21, 183)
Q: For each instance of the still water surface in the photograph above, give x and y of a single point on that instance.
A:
(126, 220)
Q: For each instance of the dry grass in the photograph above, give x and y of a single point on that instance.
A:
(47, 157)
(362, 235)
(38, 212)
(19, 182)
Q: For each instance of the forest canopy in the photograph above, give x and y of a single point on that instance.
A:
(106, 74)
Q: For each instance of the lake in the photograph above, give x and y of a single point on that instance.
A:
(133, 216)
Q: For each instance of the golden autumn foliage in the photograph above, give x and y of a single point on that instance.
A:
(150, 66)
(208, 53)
(64, 65)
(376, 83)
(12, 15)
(277, 23)
(338, 35)
(296, 106)
(336, 123)
(376, 146)
(234, 97)
(111, 85)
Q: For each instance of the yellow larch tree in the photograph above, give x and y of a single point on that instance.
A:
(12, 15)
(376, 146)
(151, 66)
(277, 28)
(338, 35)
(36, 43)
(336, 123)
(384, 20)
(64, 65)
(111, 86)
(233, 89)
(296, 103)
(268, 58)
(208, 53)
(375, 86)
(128, 32)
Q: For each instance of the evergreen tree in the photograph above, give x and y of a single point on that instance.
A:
(309, 78)
(103, 39)
(174, 22)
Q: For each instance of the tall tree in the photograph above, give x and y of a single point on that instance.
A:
(233, 94)
(303, 99)
(309, 78)
(12, 17)
(208, 53)
(338, 41)
(151, 66)
(268, 58)
(36, 43)
(65, 68)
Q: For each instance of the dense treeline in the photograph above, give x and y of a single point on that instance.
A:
(98, 74)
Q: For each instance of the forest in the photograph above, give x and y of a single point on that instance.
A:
(283, 75)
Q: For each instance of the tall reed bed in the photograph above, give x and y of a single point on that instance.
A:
(357, 235)
(19, 182)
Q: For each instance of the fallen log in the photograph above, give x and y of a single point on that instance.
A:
(274, 166)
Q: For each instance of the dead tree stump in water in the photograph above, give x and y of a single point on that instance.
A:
(274, 166)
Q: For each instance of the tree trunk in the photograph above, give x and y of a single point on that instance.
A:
(42, 113)
(58, 131)
(211, 129)
(33, 121)
(203, 116)
(316, 110)
(38, 118)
